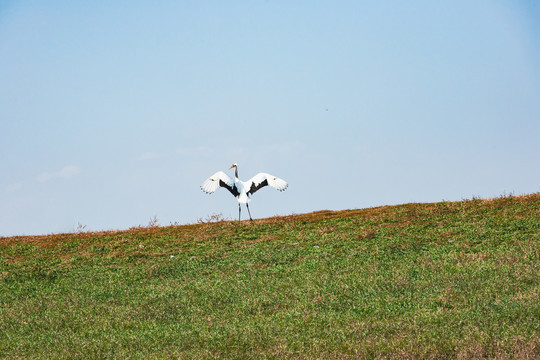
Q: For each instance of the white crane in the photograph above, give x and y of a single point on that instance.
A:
(242, 190)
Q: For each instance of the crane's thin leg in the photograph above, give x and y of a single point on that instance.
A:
(239, 210)
(249, 212)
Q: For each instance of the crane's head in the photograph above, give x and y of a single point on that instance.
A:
(233, 166)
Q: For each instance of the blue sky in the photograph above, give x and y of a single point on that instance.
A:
(112, 113)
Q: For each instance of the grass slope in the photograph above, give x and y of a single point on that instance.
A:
(450, 279)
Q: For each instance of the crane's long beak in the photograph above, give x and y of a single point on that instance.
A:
(231, 167)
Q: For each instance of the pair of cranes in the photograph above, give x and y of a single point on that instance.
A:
(242, 190)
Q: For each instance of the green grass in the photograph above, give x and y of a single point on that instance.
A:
(444, 280)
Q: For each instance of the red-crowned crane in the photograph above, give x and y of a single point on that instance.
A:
(242, 190)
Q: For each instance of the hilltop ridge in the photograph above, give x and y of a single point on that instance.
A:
(311, 216)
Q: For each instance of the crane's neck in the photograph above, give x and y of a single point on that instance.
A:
(236, 173)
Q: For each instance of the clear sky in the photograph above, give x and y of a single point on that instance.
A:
(113, 112)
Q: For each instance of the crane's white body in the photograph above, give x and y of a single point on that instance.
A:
(242, 190)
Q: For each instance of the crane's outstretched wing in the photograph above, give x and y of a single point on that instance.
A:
(219, 179)
(262, 179)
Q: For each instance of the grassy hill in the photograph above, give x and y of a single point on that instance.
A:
(442, 280)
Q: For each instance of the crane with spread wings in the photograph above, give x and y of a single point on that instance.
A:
(242, 190)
